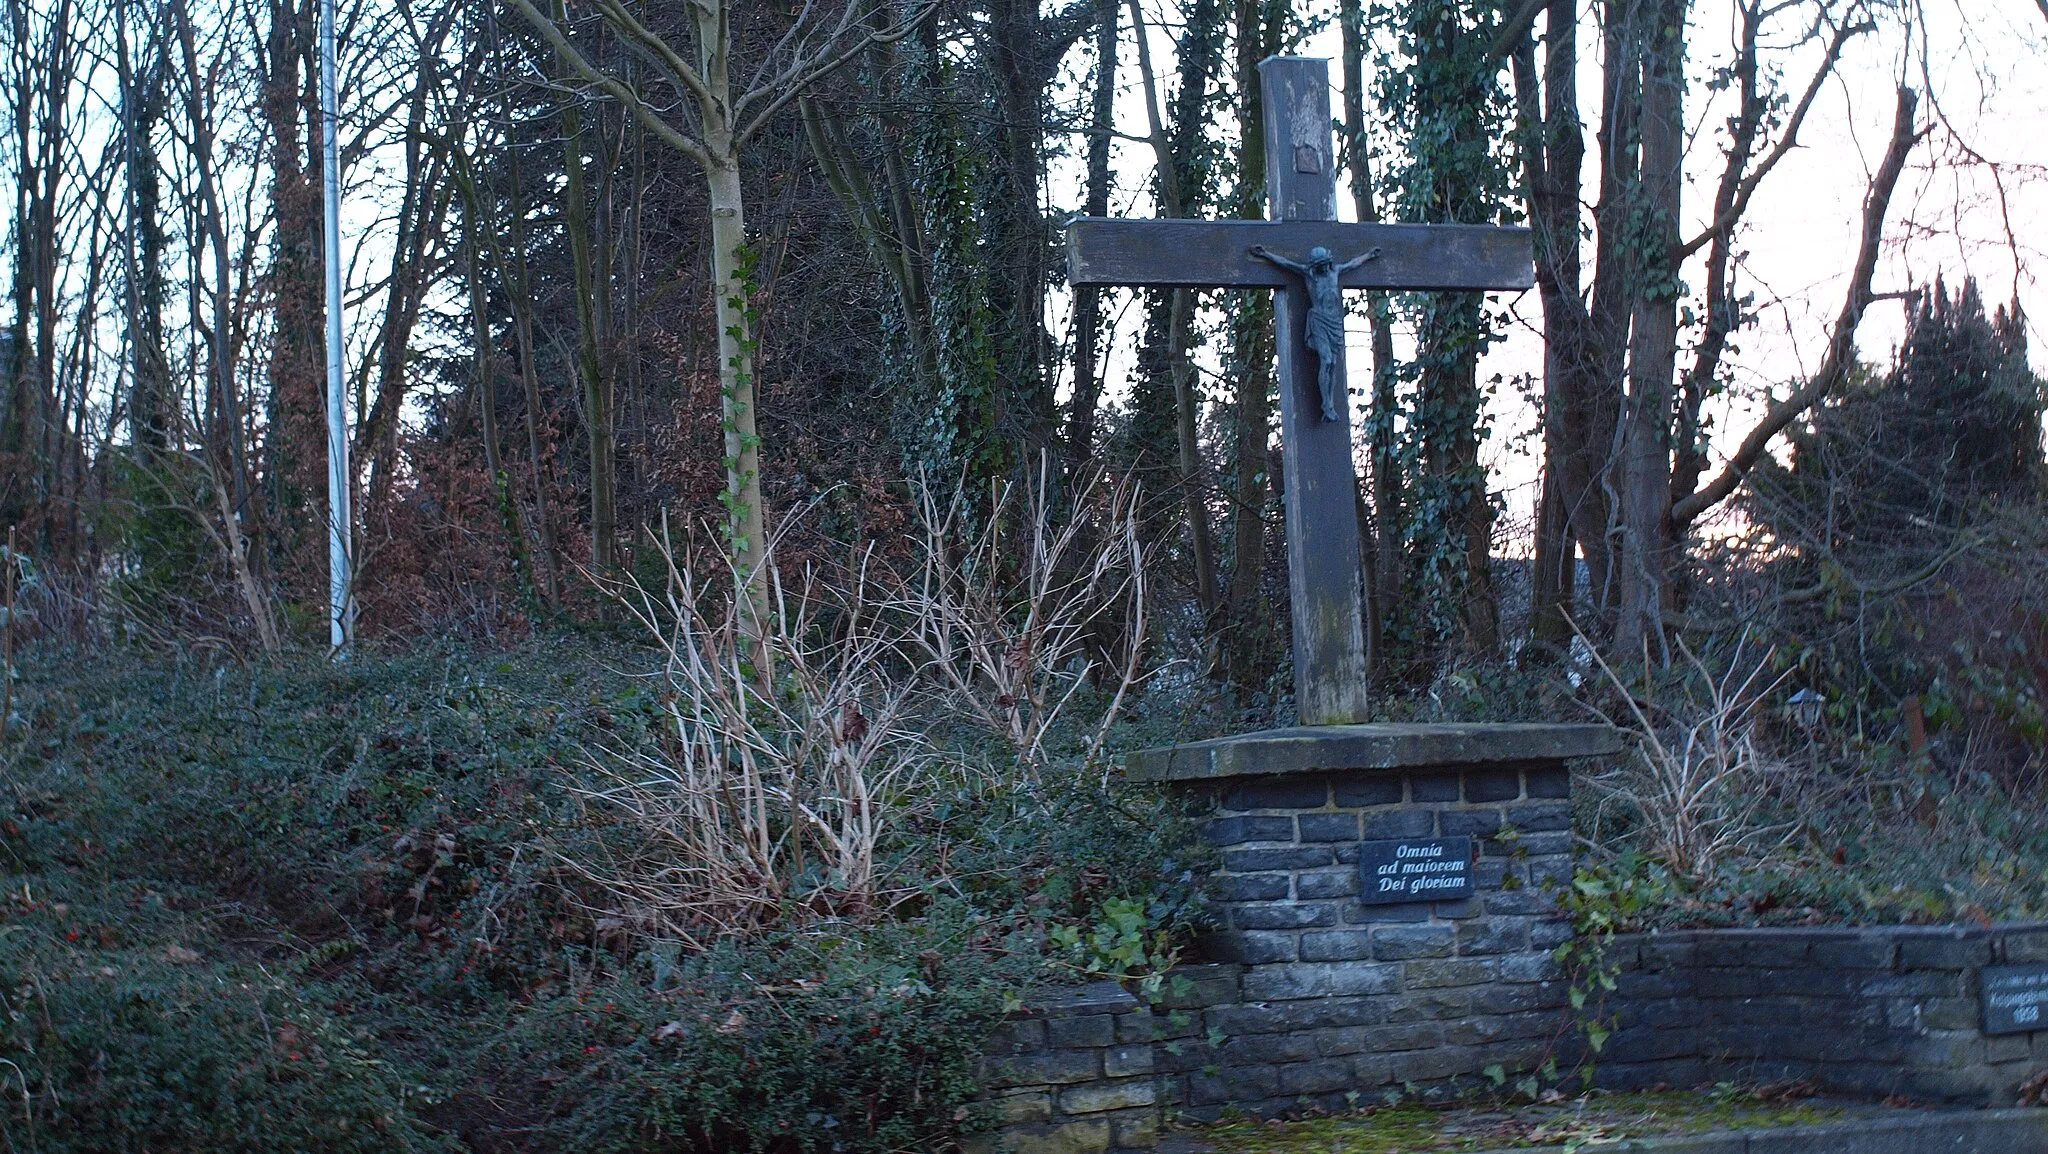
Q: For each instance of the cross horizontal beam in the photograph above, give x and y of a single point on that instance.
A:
(1186, 253)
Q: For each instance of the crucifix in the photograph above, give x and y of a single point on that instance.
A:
(1306, 253)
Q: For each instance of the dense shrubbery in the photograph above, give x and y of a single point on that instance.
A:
(388, 949)
(1896, 570)
(130, 1049)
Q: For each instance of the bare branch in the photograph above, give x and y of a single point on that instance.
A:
(1517, 26)
(655, 48)
(1162, 152)
(1735, 197)
(801, 74)
(553, 34)
(1924, 573)
(1841, 342)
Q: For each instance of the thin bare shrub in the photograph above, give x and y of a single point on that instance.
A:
(770, 793)
(1009, 605)
(766, 795)
(1697, 778)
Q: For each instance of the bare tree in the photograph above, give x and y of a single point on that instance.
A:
(1195, 66)
(726, 116)
(238, 505)
(1624, 441)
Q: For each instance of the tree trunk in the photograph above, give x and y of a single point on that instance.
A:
(1196, 64)
(512, 275)
(296, 448)
(1592, 480)
(486, 386)
(1247, 635)
(746, 511)
(142, 105)
(1016, 50)
(1381, 531)
(597, 388)
(886, 223)
(1451, 182)
(1646, 569)
(1088, 299)
(422, 207)
(1553, 158)
(237, 504)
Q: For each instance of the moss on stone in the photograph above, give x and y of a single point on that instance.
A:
(1593, 1119)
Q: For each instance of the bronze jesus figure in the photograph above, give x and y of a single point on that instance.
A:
(1323, 331)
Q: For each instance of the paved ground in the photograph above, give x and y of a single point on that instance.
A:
(1697, 1123)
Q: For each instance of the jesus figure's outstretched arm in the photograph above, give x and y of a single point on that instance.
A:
(1270, 257)
(1354, 262)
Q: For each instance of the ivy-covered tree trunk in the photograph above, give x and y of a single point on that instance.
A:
(1646, 569)
(1022, 57)
(1248, 644)
(142, 106)
(1448, 102)
(296, 446)
(1381, 537)
(1088, 299)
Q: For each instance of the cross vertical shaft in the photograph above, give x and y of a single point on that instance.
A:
(1324, 570)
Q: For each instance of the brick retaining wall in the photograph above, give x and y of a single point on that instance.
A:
(1878, 1011)
(1312, 997)
(1075, 1073)
(1865, 1011)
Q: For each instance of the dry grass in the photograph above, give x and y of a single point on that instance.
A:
(768, 794)
(1698, 777)
(1011, 603)
(772, 793)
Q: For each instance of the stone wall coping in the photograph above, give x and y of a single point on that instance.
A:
(1104, 997)
(1386, 745)
(1995, 929)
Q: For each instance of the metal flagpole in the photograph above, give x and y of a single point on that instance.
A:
(341, 614)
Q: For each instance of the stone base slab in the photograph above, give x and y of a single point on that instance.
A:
(1308, 748)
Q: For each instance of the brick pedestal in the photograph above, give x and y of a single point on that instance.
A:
(1335, 997)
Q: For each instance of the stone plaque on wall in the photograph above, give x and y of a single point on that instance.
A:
(2015, 999)
(1416, 870)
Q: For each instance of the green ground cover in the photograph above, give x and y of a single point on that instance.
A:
(294, 906)
(247, 907)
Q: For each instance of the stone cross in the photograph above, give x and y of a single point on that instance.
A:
(1324, 573)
